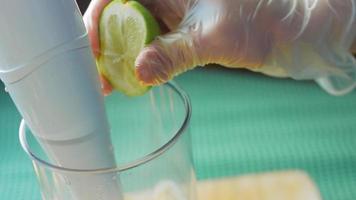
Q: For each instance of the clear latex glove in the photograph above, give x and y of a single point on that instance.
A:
(302, 39)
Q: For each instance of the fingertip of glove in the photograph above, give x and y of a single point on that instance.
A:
(150, 69)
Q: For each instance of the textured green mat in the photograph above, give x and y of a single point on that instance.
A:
(242, 123)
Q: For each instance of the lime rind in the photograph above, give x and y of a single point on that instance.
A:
(151, 23)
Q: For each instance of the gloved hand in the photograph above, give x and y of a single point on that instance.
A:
(284, 38)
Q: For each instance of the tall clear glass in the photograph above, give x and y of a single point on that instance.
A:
(151, 143)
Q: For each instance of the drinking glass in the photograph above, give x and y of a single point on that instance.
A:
(151, 144)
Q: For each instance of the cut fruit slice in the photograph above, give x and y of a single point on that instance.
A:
(125, 28)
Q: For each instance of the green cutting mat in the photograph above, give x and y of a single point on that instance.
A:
(242, 123)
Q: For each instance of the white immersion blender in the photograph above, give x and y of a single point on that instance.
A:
(49, 71)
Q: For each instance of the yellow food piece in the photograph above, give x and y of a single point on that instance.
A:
(289, 185)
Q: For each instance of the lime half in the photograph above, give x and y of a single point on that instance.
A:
(125, 28)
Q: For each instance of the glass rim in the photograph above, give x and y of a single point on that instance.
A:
(123, 167)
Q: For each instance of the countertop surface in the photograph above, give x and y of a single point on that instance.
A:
(242, 123)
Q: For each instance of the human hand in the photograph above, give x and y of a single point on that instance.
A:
(298, 39)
